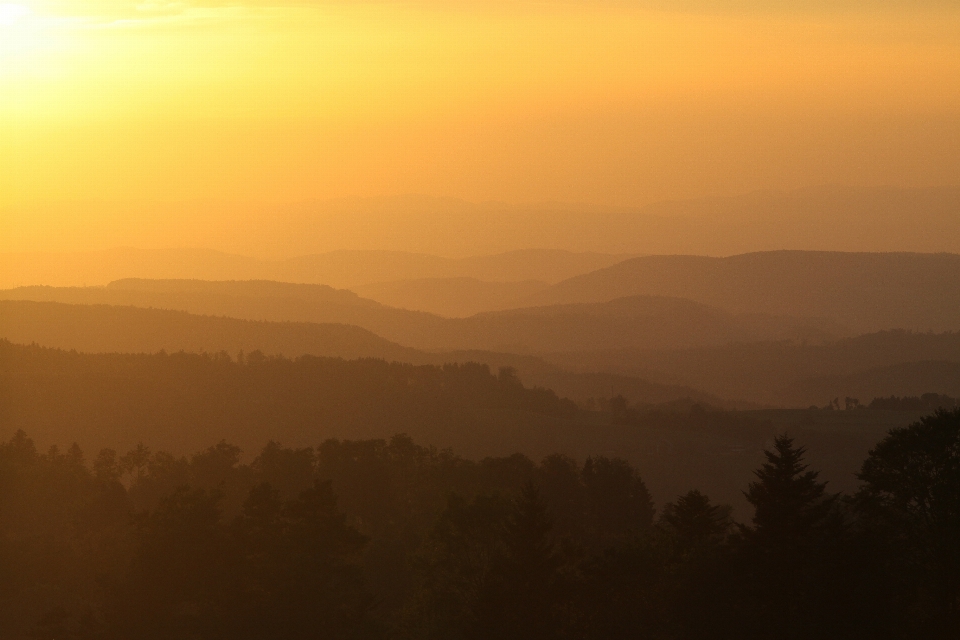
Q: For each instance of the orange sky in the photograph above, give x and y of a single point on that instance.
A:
(114, 114)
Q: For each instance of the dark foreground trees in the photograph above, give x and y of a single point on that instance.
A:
(911, 500)
(280, 569)
(374, 539)
(490, 569)
(788, 555)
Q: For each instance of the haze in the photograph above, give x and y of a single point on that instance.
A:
(165, 124)
(468, 319)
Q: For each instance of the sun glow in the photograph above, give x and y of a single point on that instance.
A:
(198, 101)
(11, 14)
(15, 36)
(28, 40)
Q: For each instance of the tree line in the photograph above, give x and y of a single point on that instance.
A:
(182, 402)
(391, 539)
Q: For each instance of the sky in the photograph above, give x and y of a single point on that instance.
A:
(125, 122)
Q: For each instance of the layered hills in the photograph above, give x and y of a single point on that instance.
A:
(100, 328)
(777, 328)
(864, 291)
(795, 373)
(633, 322)
(248, 300)
(181, 401)
(334, 268)
(451, 297)
(178, 402)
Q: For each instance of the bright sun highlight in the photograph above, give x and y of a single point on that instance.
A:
(29, 46)
(12, 14)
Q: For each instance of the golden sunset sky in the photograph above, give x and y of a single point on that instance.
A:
(118, 115)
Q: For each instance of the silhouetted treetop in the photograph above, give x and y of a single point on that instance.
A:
(787, 498)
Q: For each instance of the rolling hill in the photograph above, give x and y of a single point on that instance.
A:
(635, 322)
(900, 379)
(450, 297)
(115, 329)
(629, 322)
(865, 291)
(648, 348)
(182, 402)
(248, 300)
(340, 269)
(128, 329)
(789, 373)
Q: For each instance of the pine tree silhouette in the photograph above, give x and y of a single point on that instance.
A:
(788, 500)
(519, 604)
(787, 549)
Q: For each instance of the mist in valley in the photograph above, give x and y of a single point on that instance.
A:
(526, 321)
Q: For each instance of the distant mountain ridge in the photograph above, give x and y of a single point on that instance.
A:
(820, 218)
(247, 300)
(789, 373)
(865, 291)
(451, 297)
(827, 217)
(772, 328)
(339, 269)
(642, 321)
(634, 322)
(903, 378)
(785, 373)
(127, 329)
(99, 328)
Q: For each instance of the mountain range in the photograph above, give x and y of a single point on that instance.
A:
(339, 269)
(451, 297)
(780, 328)
(864, 291)
(100, 328)
(790, 373)
(625, 323)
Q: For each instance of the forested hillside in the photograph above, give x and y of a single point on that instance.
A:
(247, 300)
(737, 371)
(181, 402)
(117, 329)
(386, 539)
(104, 328)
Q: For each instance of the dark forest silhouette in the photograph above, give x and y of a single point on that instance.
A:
(553, 519)
(389, 539)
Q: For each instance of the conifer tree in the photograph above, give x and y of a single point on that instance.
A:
(692, 521)
(790, 551)
(789, 501)
(519, 605)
